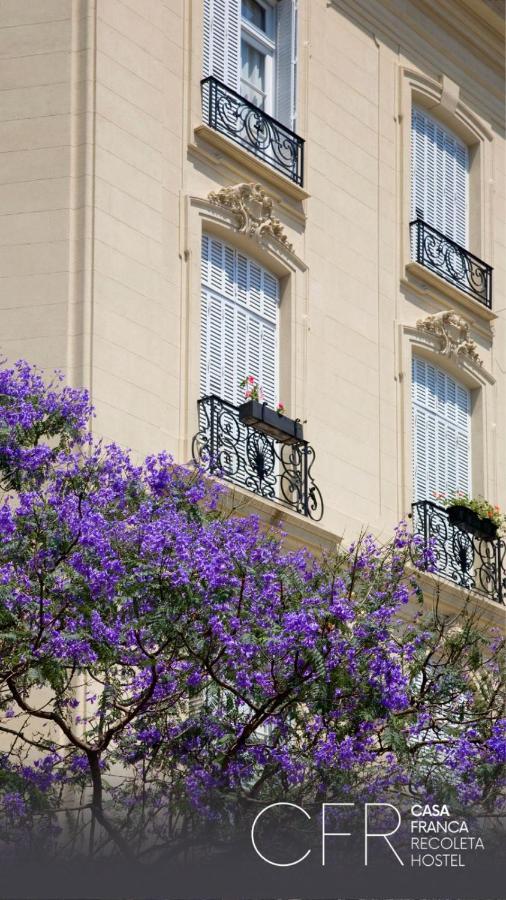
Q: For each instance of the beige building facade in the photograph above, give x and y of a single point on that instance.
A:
(162, 239)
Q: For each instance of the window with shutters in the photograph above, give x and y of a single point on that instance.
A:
(439, 227)
(441, 442)
(239, 326)
(250, 45)
(250, 63)
(441, 433)
(440, 177)
(251, 444)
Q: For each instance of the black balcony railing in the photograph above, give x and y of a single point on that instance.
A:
(236, 452)
(243, 122)
(451, 262)
(464, 558)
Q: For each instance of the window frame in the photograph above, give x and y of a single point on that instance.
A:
(439, 419)
(201, 131)
(440, 97)
(440, 177)
(264, 43)
(237, 309)
(201, 215)
(411, 340)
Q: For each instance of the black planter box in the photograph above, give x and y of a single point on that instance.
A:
(262, 418)
(468, 520)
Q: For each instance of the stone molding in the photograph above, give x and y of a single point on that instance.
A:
(453, 332)
(252, 208)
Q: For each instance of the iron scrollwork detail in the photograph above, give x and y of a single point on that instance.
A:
(252, 128)
(277, 471)
(452, 262)
(461, 557)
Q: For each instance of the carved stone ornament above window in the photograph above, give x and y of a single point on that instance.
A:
(253, 210)
(454, 335)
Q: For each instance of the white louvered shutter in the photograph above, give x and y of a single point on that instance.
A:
(461, 193)
(221, 40)
(239, 328)
(268, 363)
(214, 344)
(229, 350)
(286, 62)
(441, 433)
(207, 27)
(418, 166)
(439, 177)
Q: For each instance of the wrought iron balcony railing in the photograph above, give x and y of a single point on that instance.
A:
(250, 127)
(462, 557)
(451, 261)
(273, 469)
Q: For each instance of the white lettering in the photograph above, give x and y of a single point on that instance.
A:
(332, 833)
(270, 861)
(385, 835)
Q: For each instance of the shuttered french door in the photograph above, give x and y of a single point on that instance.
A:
(439, 177)
(441, 433)
(239, 331)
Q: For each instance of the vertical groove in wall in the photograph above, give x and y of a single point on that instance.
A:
(398, 251)
(81, 193)
(490, 456)
(303, 56)
(378, 267)
(184, 412)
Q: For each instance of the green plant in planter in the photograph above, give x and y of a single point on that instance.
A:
(254, 391)
(478, 505)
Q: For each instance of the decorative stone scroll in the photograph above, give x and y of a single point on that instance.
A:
(253, 210)
(453, 333)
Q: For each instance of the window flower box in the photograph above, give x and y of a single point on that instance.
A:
(468, 520)
(274, 424)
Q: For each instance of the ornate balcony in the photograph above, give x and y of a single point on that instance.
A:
(244, 123)
(278, 470)
(451, 261)
(469, 561)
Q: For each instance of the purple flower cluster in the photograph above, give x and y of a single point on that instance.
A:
(36, 421)
(201, 651)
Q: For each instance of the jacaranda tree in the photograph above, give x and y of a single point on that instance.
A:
(156, 653)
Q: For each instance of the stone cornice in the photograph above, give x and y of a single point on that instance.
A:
(469, 28)
(427, 284)
(237, 162)
(407, 25)
(487, 14)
